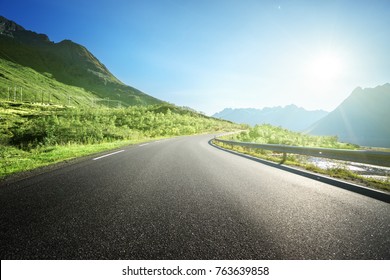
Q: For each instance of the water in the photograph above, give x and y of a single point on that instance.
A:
(366, 170)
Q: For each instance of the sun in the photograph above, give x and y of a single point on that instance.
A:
(326, 66)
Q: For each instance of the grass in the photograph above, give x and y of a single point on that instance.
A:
(15, 160)
(23, 84)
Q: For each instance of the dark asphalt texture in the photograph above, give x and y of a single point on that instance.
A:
(184, 199)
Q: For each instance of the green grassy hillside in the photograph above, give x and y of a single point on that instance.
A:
(66, 62)
(269, 134)
(23, 84)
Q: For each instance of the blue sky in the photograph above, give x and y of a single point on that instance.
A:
(235, 53)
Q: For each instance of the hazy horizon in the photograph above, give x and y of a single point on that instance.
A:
(211, 55)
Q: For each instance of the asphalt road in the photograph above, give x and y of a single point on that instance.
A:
(184, 199)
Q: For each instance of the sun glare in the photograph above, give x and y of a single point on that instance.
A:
(326, 66)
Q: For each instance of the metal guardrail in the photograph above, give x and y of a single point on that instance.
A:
(360, 156)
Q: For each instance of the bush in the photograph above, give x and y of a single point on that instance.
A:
(268, 134)
(87, 126)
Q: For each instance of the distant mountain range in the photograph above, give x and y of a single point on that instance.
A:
(290, 117)
(363, 118)
(65, 62)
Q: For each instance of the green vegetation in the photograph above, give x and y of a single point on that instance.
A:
(67, 63)
(14, 160)
(268, 134)
(33, 135)
(23, 84)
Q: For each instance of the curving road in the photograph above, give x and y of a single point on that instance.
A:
(184, 199)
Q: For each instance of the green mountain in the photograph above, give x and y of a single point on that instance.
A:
(65, 62)
(363, 118)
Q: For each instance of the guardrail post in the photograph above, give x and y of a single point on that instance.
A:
(284, 158)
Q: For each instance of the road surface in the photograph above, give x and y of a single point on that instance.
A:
(184, 199)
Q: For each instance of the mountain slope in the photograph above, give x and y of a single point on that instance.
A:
(66, 62)
(362, 118)
(20, 83)
(290, 117)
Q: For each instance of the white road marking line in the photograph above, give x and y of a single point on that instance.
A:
(144, 144)
(109, 154)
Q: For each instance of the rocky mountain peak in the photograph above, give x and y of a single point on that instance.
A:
(8, 27)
